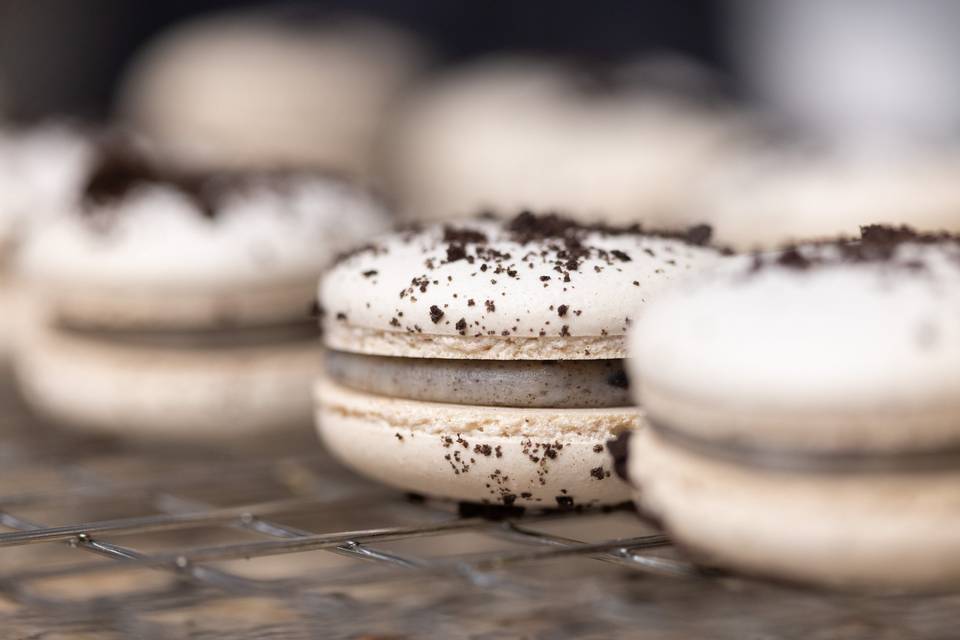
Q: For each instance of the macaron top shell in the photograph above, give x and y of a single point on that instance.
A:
(767, 197)
(158, 236)
(816, 332)
(443, 290)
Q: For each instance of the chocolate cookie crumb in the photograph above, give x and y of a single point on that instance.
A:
(463, 236)
(878, 244)
(436, 313)
(483, 449)
(456, 252)
(562, 310)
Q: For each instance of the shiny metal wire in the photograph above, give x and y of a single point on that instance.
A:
(101, 540)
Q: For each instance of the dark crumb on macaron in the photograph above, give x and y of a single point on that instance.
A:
(564, 502)
(463, 236)
(877, 244)
(121, 168)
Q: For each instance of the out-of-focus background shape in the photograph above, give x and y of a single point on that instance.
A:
(68, 56)
(856, 69)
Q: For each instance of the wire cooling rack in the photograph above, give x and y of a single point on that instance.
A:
(103, 540)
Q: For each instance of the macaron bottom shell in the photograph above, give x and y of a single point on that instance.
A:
(540, 458)
(873, 531)
(167, 393)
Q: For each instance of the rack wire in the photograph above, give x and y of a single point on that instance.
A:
(104, 540)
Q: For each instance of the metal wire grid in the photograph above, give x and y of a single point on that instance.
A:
(532, 583)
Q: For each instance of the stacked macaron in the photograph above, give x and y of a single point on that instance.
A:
(482, 361)
(178, 305)
(804, 412)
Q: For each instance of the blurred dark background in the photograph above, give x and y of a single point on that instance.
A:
(65, 56)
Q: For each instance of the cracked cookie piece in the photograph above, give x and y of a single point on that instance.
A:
(483, 361)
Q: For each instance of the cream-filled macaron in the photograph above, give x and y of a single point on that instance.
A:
(275, 87)
(513, 132)
(482, 361)
(804, 413)
(765, 196)
(177, 306)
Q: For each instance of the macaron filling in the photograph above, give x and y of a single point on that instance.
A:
(832, 462)
(499, 383)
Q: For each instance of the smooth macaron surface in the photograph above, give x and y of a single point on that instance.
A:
(526, 280)
(812, 347)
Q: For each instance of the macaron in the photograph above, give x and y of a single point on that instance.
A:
(803, 413)
(281, 86)
(766, 195)
(621, 145)
(177, 305)
(482, 361)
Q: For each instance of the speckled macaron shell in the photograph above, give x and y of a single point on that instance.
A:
(863, 531)
(154, 259)
(480, 290)
(543, 458)
(835, 358)
(167, 393)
